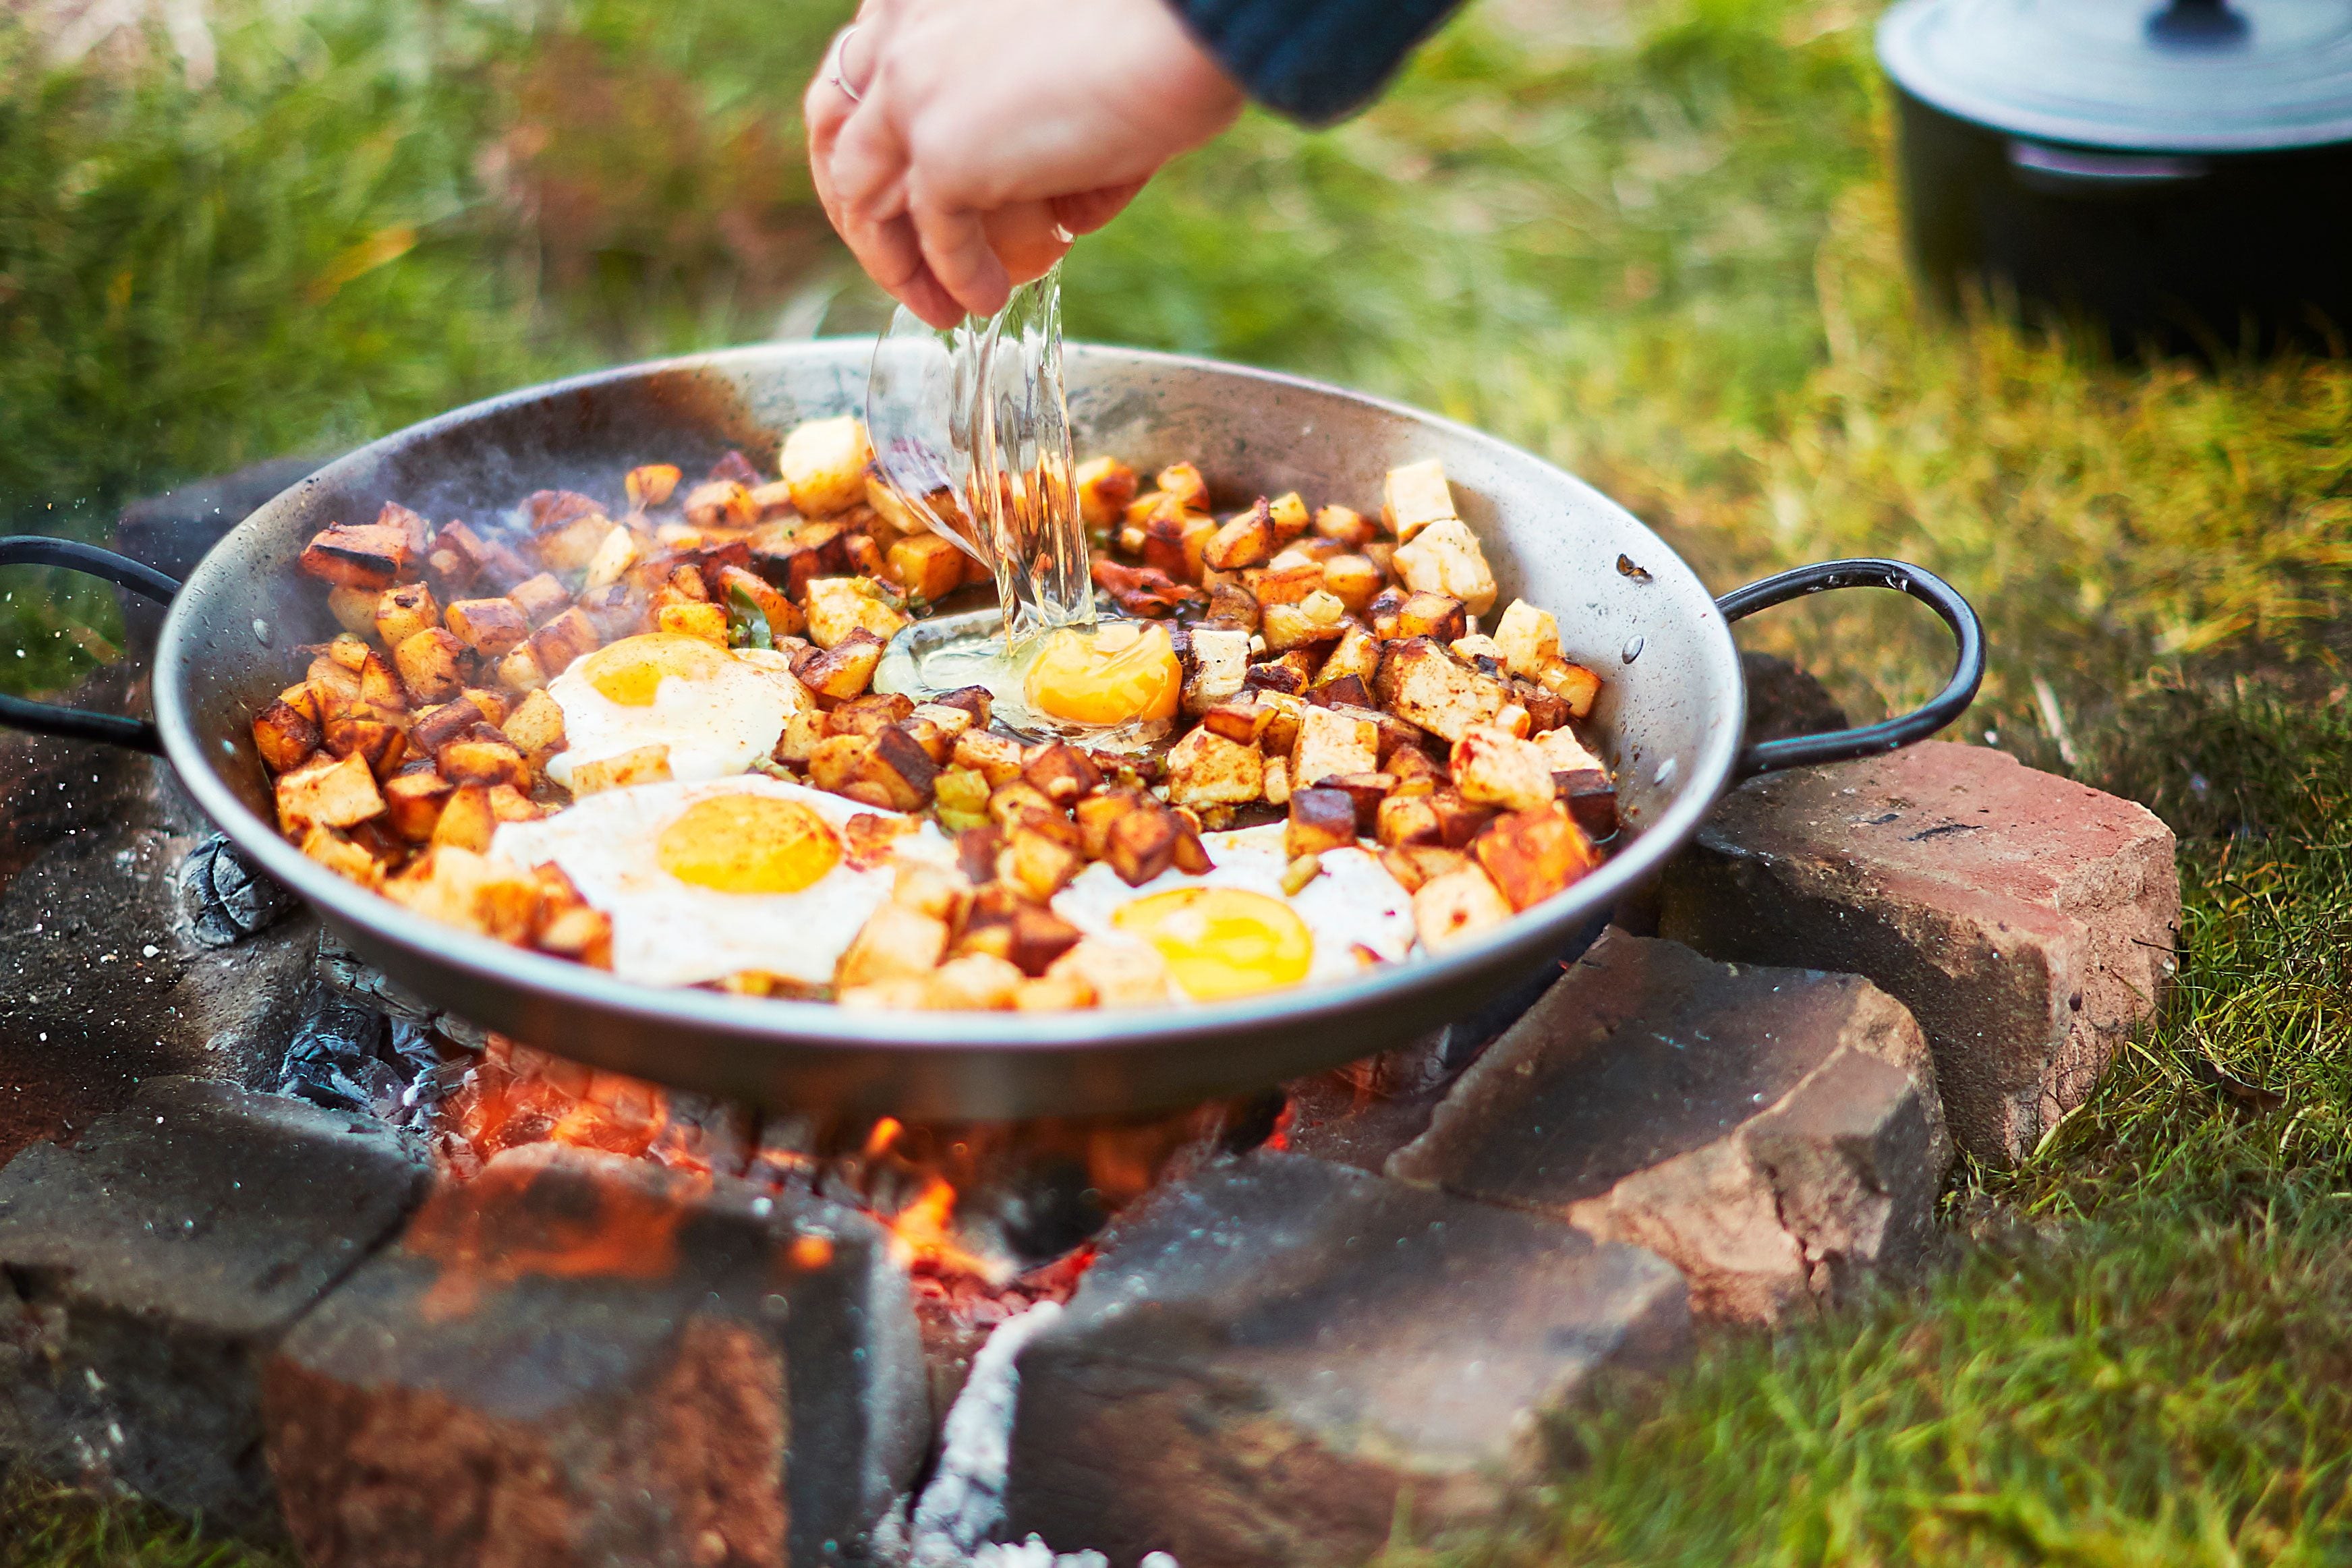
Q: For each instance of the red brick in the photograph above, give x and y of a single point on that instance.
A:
(2027, 921)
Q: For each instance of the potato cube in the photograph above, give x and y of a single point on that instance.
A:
(328, 791)
(484, 762)
(578, 932)
(432, 667)
(1414, 496)
(343, 856)
(976, 982)
(540, 599)
(1528, 637)
(1061, 771)
(1413, 864)
(379, 744)
(353, 608)
(641, 764)
(869, 715)
(1105, 487)
(1319, 819)
(1563, 753)
(1348, 526)
(1445, 557)
(996, 758)
(1530, 856)
(695, 619)
(1329, 743)
(1357, 654)
(845, 669)
(412, 803)
(1353, 581)
(783, 617)
(824, 462)
(1204, 769)
(1120, 974)
(1414, 770)
(719, 503)
(285, 737)
(1054, 994)
(463, 887)
(804, 731)
(1478, 650)
(1247, 540)
(1220, 662)
(536, 728)
(1367, 790)
(1245, 721)
(650, 484)
(508, 804)
(1407, 820)
(569, 550)
(1420, 683)
(1449, 911)
(839, 761)
(948, 723)
(836, 606)
(959, 796)
(904, 770)
(361, 555)
(927, 566)
(614, 557)
(1277, 780)
(491, 627)
(1494, 767)
(895, 941)
(1097, 813)
(1573, 683)
(1281, 583)
(1289, 626)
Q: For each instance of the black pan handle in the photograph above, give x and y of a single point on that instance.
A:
(1888, 735)
(74, 724)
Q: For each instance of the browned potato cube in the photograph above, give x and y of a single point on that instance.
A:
(1348, 526)
(343, 855)
(1421, 683)
(641, 764)
(540, 599)
(721, 504)
(569, 550)
(650, 484)
(1366, 790)
(1204, 769)
(1120, 975)
(1288, 626)
(335, 793)
(567, 637)
(783, 617)
(1493, 768)
(1143, 843)
(839, 760)
(1017, 799)
(1357, 654)
(1097, 813)
(492, 705)
(1039, 863)
(824, 462)
(1286, 676)
(1243, 722)
(1458, 820)
(1286, 582)
(1415, 496)
(413, 804)
(1061, 773)
(1450, 910)
(484, 762)
(1437, 616)
(708, 622)
(1530, 856)
(353, 608)
(551, 510)
(1353, 581)
(378, 744)
(1573, 683)
(462, 887)
(1319, 819)
(436, 728)
(1445, 557)
(869, 715)
(903, 768)
(536, 728)
(936, 737)
(1246, 540)
(361, 555)
(996, 758)
(432, 667)
(1413, 864)
(1331, 743)
(844, 670)
(895, 941)
(491, 627)
(1414, 770)
(285, 737)
(927, 566)
(578, 932)
(1105, 487)
(804, 731)
(1036, 936)
(1407, 820)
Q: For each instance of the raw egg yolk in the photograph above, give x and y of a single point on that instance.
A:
(630, 670)
(1222, 942)
(749, 843)
(1112, 676)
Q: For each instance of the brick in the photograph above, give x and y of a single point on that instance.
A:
(579, 1358)
(158, 1263)
(1271, 1358)
(1774, 1133)
(2027, 921)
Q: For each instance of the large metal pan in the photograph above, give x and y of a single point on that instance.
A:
(1670, 716)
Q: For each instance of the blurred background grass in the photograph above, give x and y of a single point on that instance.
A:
(1651, 239)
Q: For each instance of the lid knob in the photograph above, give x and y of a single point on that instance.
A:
(2197, 24)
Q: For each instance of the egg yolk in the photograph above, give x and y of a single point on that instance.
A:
(1114, 674)
(749, 843)
(1222, 942)
(630, 672)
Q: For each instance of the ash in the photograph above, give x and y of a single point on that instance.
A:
(951, 1521)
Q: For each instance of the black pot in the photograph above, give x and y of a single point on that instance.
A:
(2180, 177)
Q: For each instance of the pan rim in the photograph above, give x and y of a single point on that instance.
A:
(823, 1025)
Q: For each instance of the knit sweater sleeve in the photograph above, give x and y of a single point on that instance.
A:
(1312, 60)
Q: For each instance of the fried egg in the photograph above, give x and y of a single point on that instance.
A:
(1233, 932)
(718, 710)
(707, 880)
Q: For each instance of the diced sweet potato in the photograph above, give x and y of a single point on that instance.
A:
(285, 737)
(1105, 487)
(380, 744)
(1591, 798)
(567, 637)
(337, 792)
(413, 804)
(360, 555)
(1061, 773)
(1449, 911)
(1415, 496)
(1319, 819)
(1143, 843)
(1530, 856)
(1458, 819)
(1204, 769)
(641, 764)
(1494, 767)
(1331, 742)
(484, 762)
(1419, 682)
(824, 462)
(845, 669)
(895, 941)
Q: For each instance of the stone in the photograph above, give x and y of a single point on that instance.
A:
(1274, 1360)
(2027, 921)
(1775, 1133)
(581, 1358)
(157, 1264)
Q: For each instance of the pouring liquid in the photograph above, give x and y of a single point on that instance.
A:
(1002, 489)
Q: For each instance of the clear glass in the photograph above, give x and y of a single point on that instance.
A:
(972, 430)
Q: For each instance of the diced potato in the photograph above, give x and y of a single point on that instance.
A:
(1357, 654)
(540, 599)
(838, 606)
(996, 758)
(1278, 583)
(536, 728)
(1530, 856)
(361, 555)
(1413, 864)
(492, 705)
(285, 737)
(568, 550)
(465, 888)
(332, 792)
(1247, 540)
(1319, 819)
(696, 618)
(353, 608)
(431, 666)
(341, 855)
(380, 744)
(466, 820)
(1039, 863)
(1563, 753)
(1204, 769)
(1288, 626)
(1529, 639)
(580, 934)
(1573, 683)
(1494, 767)
(436, 728)
(380, 687)
(1243, 721)
(484, 762)
(412, 803)
(567, 637)
(1329, 743)
(896, 941)
(1105, 487)
(869, 715)
(927, 566)
(1277, 780)
(783, 617)
(1354, 580)
(1219, 662)
(824, 462)
(650, 484)
(1475, 647)
(614, 557)
(1445, 557)
(845, 669)
(1120, 974)
(1054, 994)
(976, 982)
(1348, 526)
(720, 504)
(1440, 617)
(1420, 683)
(1061, 771)
(1414, 496)
(642, 765)
(1449, 911)
(491, 627)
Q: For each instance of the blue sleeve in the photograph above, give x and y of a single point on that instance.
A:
(1312, 60)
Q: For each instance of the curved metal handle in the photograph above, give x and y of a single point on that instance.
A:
(1888, 735)
(74, 724)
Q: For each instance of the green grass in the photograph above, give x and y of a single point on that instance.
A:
(1654, 241)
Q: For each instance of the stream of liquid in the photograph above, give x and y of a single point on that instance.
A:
(971, 433)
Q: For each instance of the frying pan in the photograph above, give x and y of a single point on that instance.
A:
(1669, 720)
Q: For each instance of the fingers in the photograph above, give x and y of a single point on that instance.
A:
(955, 246)
(1089, 210)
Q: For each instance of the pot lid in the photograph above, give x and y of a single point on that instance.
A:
(2221, 75)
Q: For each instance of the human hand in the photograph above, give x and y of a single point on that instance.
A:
(957, 145)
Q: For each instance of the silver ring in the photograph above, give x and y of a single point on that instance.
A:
(840, 50)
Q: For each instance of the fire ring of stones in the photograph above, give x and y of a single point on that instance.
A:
(283, 1249)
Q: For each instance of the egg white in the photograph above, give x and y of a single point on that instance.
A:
(714, 728)
(1354, 901)
(670, 932)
